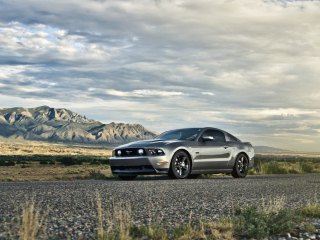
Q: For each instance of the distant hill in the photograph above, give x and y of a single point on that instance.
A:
(265, 148)
(49, 124)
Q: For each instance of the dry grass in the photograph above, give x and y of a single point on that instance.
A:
(37, 172)
(29, 148)
(31, 222)
(289, 154)
(273, 204)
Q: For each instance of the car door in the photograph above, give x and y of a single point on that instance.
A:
(215, 153)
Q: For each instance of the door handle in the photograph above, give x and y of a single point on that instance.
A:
(225, 147)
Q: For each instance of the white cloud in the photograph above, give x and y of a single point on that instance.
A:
(208, 93)
(60, 33)
(259, 59)
(142, 93)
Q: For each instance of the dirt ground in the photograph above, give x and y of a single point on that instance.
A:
(36, 172)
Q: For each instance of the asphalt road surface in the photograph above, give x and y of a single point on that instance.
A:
(72, 204)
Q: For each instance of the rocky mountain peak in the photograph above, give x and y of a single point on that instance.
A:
(51, 124)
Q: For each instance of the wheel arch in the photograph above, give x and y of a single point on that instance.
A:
(233, 161)
(244, 154)
(187, 152)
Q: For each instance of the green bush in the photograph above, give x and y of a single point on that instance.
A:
(43, 162)
(105, 161)
(93, 174)
(10, 163)
(306, 167)
(274, 167)
(293, 171)
(251, 222)
(311, 211)
(52, 162)
(94, 162)
(257, 223)
(68, 161)
(251, 172)
(3, 163)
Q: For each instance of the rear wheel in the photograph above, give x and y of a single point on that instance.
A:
(180, 165)
(124, 177)
(241, 165)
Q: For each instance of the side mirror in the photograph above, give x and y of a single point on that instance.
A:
(207, 138)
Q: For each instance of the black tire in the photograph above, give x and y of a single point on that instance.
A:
(180, 165)
(241, 165)
(193, 176)
(125, 177)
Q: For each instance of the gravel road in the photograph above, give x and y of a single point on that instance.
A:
(73, 211)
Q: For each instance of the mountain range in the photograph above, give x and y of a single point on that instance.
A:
(49, 124)
(265, 148)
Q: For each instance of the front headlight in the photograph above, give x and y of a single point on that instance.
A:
(119, 153)
(156, 151)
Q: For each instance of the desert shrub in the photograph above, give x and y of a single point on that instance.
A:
(10, 163)
(293, 171)
(72, 171)
(308, 227)
(311, 211)
(306, 167)
(3, 163)
(274, 167)
(257, 223)
(251, 222)
(43, 162)
(94, 162)
(105, 161)
(52, 162)
(68, 161)
(93, 174)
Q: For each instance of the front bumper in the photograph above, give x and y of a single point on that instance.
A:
(139, 165)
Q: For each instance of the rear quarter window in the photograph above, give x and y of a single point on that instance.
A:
(232, 138)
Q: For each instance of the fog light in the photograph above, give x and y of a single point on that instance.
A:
(119, 152)
(162, 163)
(140, 151)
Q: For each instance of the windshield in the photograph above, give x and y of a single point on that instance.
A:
(189, 134)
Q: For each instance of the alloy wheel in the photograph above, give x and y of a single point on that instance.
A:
(181, 165)
(242, 165)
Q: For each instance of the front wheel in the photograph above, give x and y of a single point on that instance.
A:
(241, 165)
(124, 177)
(180, 165)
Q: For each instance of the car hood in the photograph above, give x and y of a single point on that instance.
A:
(148, 143)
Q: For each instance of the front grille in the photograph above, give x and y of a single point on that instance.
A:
(129, 152)
(143, 168)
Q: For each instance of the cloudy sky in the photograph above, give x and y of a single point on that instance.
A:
(249, 67)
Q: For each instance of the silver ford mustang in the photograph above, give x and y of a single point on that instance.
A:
(184, 153)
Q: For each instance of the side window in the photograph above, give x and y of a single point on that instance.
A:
(217, 135)
(232, 138)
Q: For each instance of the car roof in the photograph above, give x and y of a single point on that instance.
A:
(202, 129)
